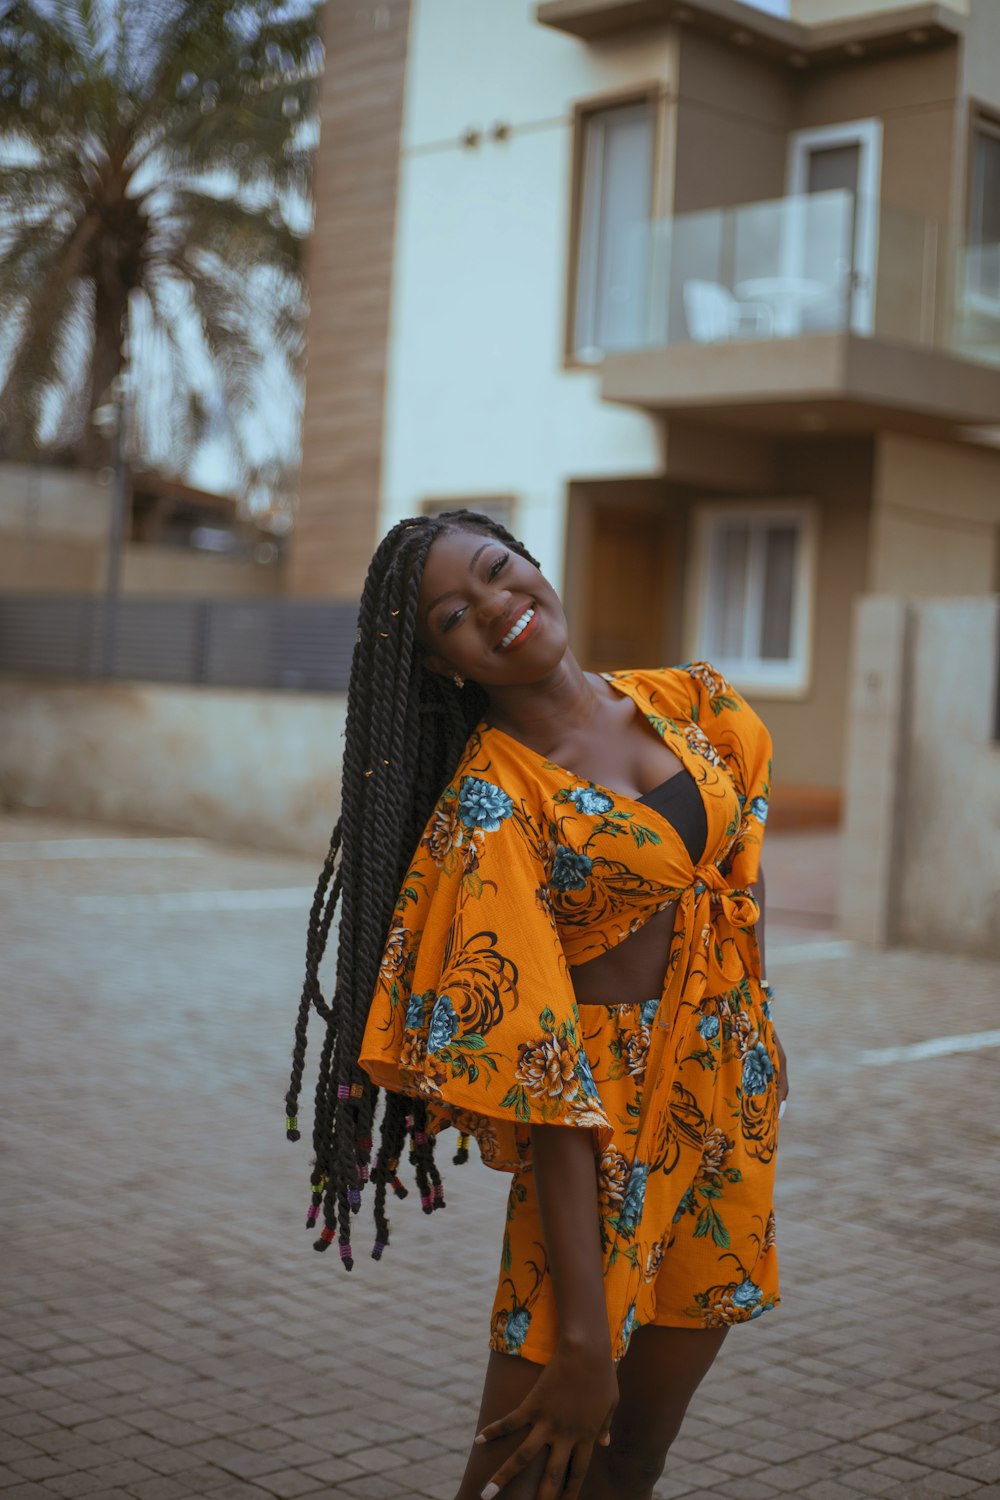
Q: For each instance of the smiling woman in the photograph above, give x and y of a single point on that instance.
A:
(567, 965)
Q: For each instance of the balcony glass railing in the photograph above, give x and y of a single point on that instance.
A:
(818, 263)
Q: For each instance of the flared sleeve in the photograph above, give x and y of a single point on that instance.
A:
(474, 1011)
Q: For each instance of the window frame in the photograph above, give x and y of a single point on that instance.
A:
(982, 122)
(500, 507)
(788, 679)
(654, 95)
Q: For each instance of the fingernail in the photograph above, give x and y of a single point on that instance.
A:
(479, 1438)
(781, 1108)
(491, 1491)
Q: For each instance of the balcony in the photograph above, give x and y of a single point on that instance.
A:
(824, 311)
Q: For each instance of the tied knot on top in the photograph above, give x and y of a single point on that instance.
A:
(739, 907)
(719, 924)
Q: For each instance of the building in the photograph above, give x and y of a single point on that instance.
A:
(703, 297)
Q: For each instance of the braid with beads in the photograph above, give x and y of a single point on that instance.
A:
(406, 730)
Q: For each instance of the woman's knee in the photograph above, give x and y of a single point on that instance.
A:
(629, 1468)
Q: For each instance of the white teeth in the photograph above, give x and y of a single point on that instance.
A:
(517, 627)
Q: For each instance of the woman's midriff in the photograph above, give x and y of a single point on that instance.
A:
(632, 972)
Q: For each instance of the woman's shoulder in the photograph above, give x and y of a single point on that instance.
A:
(691, 687)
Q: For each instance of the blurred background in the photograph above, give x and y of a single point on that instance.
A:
(702, 299)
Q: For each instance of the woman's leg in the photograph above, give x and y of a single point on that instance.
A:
(509, 1378)
(656, 1380)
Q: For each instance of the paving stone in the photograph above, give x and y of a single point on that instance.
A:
(198, 1348)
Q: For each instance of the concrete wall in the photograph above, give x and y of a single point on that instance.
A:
(923, 776)
(254, 768)
(479, 399)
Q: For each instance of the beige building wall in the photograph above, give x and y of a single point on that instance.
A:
(350, 277)
(732, 115)
(935, 517)
(809, 731)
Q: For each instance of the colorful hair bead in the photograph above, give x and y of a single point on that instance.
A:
(325, 1238)
(398, 1188)
(292, 1132)
(343, 1090)
(346, 1256)
(462, 1154)
(427, 1202)
(312, 1214)
(377, 1249)
(354, 1199)
(439, 1195)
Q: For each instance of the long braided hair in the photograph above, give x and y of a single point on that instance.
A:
(406, 729)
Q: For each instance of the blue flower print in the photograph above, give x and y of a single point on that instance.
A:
(444, 1024)
(628, 1325)
(758, 809)
(765, 1006)
(482, 805)
(516, 1331)
(415, 1012)
(587, 800)
(709, 1027)
(687, 1205)
(758, 1070)
(586, 1077)
(648, 1010)
(747, 1294)
(635, 1197)
(570, 871)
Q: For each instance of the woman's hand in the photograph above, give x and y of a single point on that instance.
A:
(782, 1074)
(567, 1410)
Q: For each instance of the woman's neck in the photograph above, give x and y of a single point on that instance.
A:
(543, 713)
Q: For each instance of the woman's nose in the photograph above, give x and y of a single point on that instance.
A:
(494, 603)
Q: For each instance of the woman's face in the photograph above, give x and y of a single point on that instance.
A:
(488, 613)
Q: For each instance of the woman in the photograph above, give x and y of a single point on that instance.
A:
(568, 968)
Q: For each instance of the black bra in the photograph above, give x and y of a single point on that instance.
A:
(679, 801)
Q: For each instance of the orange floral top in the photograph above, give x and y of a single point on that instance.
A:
(525, 870)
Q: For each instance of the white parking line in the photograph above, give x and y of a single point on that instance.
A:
(817, 948)
(936, 1046)
(283, 898)
(27, 849)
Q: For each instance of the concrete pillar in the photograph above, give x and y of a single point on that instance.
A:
(875, 779)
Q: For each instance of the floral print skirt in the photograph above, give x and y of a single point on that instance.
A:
(698, 1230)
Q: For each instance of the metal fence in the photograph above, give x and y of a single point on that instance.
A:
(260, 643)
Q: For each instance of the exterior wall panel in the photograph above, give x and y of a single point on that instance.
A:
(350, 275)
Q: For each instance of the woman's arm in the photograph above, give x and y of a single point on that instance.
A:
(570, 1406)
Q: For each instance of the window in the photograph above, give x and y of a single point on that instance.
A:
(754, 579)
(983, 282)
(615, 205)
(497, 507)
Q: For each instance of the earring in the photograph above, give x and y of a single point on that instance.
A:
(458, 679)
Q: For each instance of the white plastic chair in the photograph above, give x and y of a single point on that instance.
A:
(715, 315)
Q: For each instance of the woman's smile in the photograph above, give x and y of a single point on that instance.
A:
(524, 627)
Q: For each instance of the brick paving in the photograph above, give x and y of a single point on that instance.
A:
(167, 1332)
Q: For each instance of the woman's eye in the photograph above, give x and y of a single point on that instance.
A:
(452, 619)
(494, 570)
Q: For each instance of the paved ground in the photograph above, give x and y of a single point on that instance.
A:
(168, 1333)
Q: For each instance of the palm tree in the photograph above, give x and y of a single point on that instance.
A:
(154, 196)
